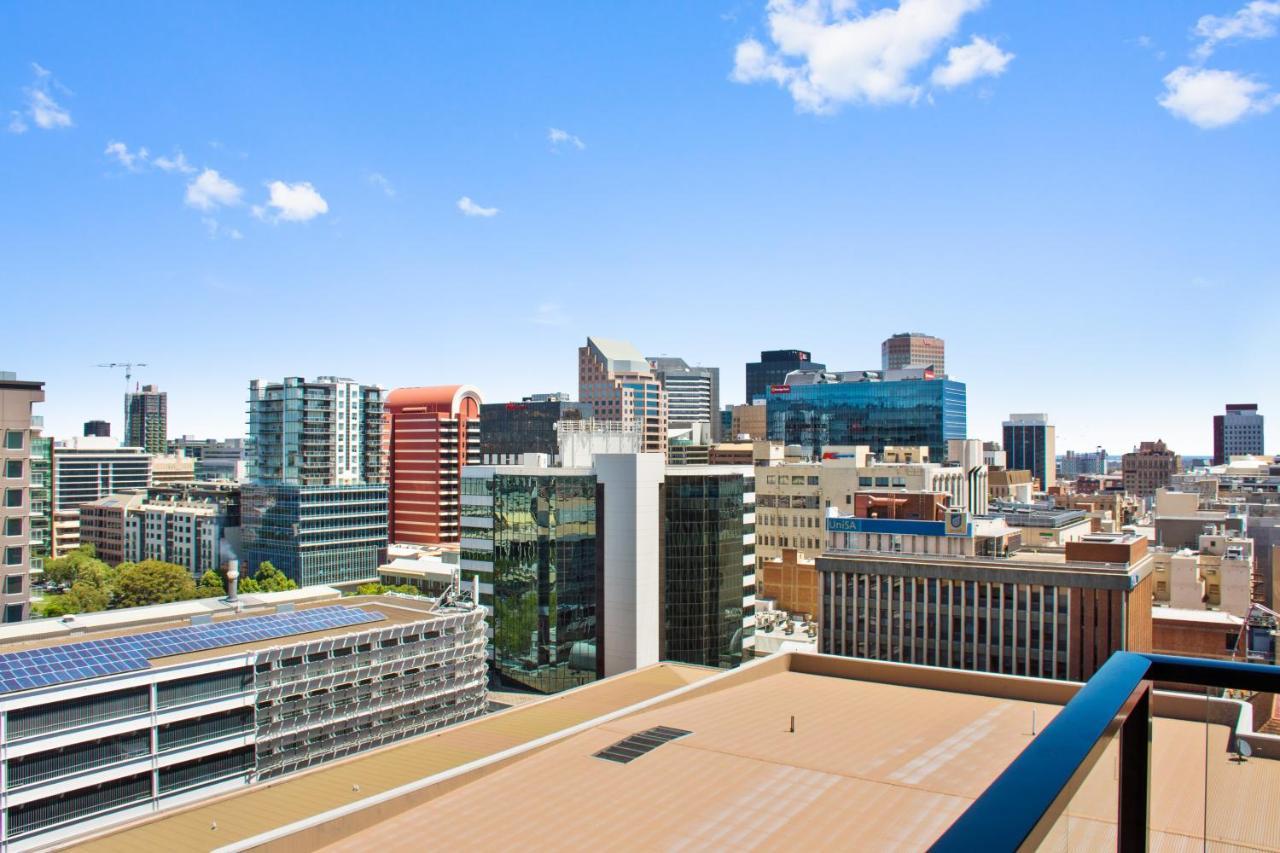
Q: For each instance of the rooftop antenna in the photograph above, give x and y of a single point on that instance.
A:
(128, 369)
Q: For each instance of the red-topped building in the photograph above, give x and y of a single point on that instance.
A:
(432, 433)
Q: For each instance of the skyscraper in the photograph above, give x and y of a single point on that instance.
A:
(85, 469)
(773, 367)
(98, 429)
(913, 349)
(1028, 446)
(315, 505)
(510, 430)
(19, 427)
(434, 432)
(146, 419)
(905, 408)
(1237, 433)
(621, 386)
(693, 393)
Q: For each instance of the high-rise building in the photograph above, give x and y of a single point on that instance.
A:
(1074, 464)
(913, 349)
(433, 432)
(1238, 432)
(673, 579)
(510, 430)
(97, 429)
(903, 408)
(19, 428)
(533, 535)
(315, 504)
(708, 564)
(693, 393)
(772, 369)
(84, 470)
(146, 419)
(106, 722)
(621, 386)
(1148, 468)
(41, 501)
(1028, 446)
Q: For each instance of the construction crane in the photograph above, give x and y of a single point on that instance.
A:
(1257, 616)
(128, 369)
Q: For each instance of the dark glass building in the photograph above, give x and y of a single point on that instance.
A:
(546, 570)
(510, 430)
(315, 534)
(773, 367)
(875, 412)
(702, 568)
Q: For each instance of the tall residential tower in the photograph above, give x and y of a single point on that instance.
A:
(19, 428)
(146, 419)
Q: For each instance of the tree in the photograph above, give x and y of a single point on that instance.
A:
(270, 579)
(151, 582)
(370, 589)
(67, 569)
(211, 585)
(86, 598)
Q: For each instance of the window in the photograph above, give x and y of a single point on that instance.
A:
(13, 498)
(13, 527)
(13, 585)
(13, 469)
(13, 439)
(13, 555)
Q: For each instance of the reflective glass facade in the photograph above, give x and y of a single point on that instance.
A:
(509, 430)
(702, 569)
(773, 367)
(546, 575)
(879, 414)
(315, 534)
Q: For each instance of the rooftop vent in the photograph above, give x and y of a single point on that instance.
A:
(630, 748)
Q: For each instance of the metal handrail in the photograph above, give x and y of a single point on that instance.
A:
(1022, 804)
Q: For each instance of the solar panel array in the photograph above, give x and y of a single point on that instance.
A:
(76, 661)
(630, 748)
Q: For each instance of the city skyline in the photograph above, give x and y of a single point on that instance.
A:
(479, 166)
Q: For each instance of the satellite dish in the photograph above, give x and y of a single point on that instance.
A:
(1243, 749)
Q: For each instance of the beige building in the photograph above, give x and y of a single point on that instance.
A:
(1217, 576)
(1150, 467)
(172, 468)
(749, 422)
(621, 386)
(18, 427)
(1015, 486)
(131, 528)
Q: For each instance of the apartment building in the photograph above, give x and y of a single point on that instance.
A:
(106, 719)
(19, 429)
(187, 530)
(434, 432)
(315, 504)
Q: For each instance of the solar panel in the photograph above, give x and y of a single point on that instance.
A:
(641, 743)
(76, 661)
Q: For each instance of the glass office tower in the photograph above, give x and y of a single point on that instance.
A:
(545, 569)
(510, 430)
(702, 568)
(907, 412)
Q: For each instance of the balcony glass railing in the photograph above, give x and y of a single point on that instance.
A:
(1196, 765)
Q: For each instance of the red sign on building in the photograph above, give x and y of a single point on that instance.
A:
(779, 389)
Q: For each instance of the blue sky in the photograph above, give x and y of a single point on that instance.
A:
(1003, 175)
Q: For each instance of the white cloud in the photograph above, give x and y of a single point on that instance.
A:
(131, 160)
(549, 314)
(978, 58)
(42, 109)
(176, 163)
(209, 190)
(291, 202)
(1210, 98)
(380, 181)
(826, 53)
(559, 137)
(1254, 20)
(470, 208)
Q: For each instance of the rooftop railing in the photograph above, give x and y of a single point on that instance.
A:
(1060, 792)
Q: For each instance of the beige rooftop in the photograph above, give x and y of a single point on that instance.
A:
(884, 756)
